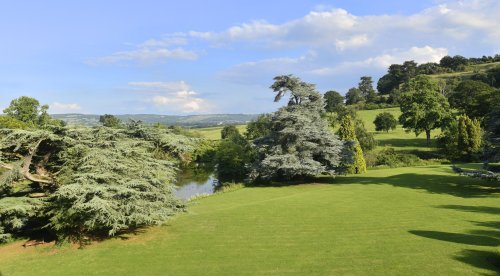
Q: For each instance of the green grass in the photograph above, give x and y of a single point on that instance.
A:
(213, 133)
(398, 139)
(405, 221)
(469, 72)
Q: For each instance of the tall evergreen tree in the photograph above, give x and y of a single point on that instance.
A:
(300, 143)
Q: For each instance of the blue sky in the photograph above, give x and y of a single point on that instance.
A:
(195, 57)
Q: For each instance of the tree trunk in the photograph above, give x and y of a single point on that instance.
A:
(428, 135)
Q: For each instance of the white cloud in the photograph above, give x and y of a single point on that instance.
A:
(57, 107)
(145, 55)
(338, 29)
(173, 96)
(383, 61)
(160, 86)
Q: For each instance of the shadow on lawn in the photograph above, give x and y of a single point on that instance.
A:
(479, 237)
(480, 259)
(479, 240)
(455, 185)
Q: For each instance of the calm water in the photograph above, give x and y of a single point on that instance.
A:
(195, 181)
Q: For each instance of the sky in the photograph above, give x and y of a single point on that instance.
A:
(220, 56)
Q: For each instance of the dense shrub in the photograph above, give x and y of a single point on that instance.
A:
(391, 158)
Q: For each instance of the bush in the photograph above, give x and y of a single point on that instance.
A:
(391, 158)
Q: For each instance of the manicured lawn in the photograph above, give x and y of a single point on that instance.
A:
(405, 221)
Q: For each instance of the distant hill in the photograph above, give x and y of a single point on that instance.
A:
(467, 74)
(193, 121)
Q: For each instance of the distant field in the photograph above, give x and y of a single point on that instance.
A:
(404, 221)
(213, 133)
(398, 139)
(468, 73)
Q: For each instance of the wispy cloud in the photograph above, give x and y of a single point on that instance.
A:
(57, 107)
(173, 96)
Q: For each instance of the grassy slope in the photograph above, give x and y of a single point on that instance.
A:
(399, 139)
(213, 133)
(468, 73)
(403, 221)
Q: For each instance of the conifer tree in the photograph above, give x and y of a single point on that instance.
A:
(300, 143)
(347, 134)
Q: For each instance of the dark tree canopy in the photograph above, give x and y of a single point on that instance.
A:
(365, 86)
(473, 98)
(333, 101)
(396, 75)
(353, 96)
(385, 121)
(229, 131)
(454, 63)
(108, 120)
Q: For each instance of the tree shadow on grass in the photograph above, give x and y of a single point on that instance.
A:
(455, 185)
(476, 209)
(468, 239)
(481, 259)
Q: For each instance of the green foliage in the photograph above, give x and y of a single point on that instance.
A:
(108, 120)
(333, 101)
(391, 158)
(493, 77)
(229, 131)
(396, 75)
(473, 98)
(365, 138)
(462, 139)
(385, 121)
(28, 112)
(353, 96)
(365, 86)
(12, 123)
(98, 181)
(300, 143)
(469, 135)
(455, 63)
(346, 131)
(233, 157)
(15, 215)
(259, 127)
(355, 164)
(423, 107)
(25, 109)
